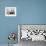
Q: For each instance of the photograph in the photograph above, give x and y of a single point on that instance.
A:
(10, 11)
(28, 33)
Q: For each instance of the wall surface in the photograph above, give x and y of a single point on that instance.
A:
(28, 12)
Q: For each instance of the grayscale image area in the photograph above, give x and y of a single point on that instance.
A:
(32, 35)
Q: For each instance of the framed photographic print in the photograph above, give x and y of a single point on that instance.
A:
(10, 11)
(33, 32)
